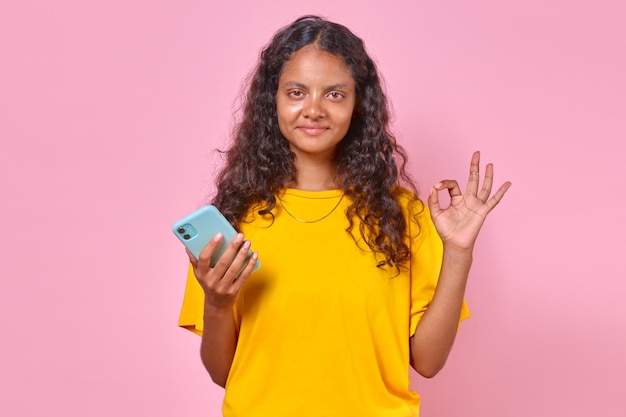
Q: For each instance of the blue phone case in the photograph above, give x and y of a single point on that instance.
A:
(196, 229)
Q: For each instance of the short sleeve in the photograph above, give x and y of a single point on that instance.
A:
(192, 311)
(426, 258)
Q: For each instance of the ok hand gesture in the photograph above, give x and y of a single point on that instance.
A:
(458, 224)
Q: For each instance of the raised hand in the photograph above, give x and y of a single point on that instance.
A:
(459, 223)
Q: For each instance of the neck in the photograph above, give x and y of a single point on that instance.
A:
(312, 175)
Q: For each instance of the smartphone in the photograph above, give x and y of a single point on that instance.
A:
(196, 229)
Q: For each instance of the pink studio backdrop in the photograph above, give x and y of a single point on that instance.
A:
(110, 110)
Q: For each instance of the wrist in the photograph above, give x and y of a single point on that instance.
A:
(457, 257)
(456, 250)
(211, 310)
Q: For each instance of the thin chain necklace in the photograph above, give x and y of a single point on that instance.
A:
(282, 204)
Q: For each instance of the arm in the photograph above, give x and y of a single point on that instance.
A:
(219, 340)
(458, 226)
(436, 331)
(221, 285)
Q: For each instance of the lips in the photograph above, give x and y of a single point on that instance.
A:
(312, 130)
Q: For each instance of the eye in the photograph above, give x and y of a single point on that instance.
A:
(335, 95)
(296, 93)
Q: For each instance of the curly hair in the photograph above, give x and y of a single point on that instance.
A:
(370, 163)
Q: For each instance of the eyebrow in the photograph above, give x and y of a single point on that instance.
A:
(330, 87)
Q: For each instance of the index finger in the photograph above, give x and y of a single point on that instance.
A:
(204, 257)
(226, 258)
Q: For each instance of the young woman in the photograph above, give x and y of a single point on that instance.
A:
(359, 279)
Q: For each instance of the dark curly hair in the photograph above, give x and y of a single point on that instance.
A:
(370, 164)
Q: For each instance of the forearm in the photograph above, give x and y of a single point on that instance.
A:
(219, 340)
(437, 329)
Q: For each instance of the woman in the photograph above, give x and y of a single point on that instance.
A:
(360, 280)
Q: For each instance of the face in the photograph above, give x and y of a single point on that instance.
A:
(315, 102)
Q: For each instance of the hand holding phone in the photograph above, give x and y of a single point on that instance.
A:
(196, 229)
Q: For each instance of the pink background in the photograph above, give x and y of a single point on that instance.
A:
(109, 111)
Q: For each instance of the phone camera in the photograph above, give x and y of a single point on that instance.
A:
(186, 236)
(181, 230)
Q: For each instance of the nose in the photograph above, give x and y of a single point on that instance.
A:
(313, 108)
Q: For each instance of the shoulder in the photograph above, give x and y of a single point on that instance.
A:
(420, 226)
(408, 201)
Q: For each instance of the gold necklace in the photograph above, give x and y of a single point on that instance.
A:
(282, 204)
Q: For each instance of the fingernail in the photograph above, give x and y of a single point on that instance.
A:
(239, 237)
(218, 237)
(246, 245)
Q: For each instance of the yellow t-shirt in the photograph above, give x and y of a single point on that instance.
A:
(322, 330)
